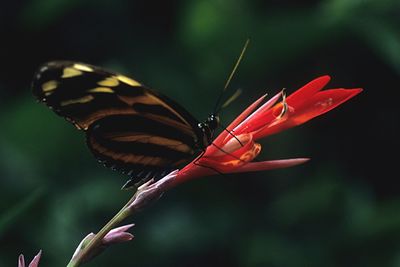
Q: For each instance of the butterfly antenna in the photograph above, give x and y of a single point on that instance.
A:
(231, 99)
(228, 81)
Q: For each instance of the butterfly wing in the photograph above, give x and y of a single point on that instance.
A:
(129, 127)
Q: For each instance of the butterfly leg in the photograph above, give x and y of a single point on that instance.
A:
(232, 134)
(205, 166)
(130, 185)
(133, 183)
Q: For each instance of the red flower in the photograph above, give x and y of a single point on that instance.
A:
(228, 155)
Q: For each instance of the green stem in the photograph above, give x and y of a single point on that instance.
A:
(146, 193)
(97, 239)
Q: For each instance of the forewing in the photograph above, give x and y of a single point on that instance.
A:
(84, 93)
(128, 126)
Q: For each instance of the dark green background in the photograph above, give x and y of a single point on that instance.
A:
(340, 209)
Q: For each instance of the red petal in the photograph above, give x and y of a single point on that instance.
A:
(220, 161)
(191, 171)
(227, 162)
(270, 165)
(220, 139)
(308, 90)
(246, 113)
(323, 102)
(318, 104)
(298, 98)
(231, 155)
(258, 118)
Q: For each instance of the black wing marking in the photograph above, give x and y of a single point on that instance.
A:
(136, 145)
(84, 93)
(129, 127)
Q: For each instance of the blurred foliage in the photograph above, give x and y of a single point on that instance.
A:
(341, 209)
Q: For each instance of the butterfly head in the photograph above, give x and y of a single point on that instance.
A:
(208, 128)
(213, 122)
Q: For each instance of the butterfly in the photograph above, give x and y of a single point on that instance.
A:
(129, 127)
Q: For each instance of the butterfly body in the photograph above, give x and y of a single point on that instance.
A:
(128, 126)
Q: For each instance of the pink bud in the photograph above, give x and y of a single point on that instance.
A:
(118, 235)
(34, 262)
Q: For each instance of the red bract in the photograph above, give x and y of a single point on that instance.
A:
(227, 155)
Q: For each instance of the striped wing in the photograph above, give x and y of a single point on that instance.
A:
(128, 126)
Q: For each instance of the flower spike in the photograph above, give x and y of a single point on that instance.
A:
(227, 155)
